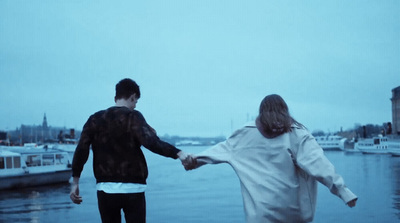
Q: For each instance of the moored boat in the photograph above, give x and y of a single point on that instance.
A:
(349, 146)
(331, 142)
(394, 147)
(379, 145)
(68, 148)
(25, 167)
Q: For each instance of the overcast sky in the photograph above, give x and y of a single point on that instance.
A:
(203, 66)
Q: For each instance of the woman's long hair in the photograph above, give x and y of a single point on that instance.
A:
(274, 116)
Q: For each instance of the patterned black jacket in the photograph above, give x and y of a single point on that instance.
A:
(116, 136)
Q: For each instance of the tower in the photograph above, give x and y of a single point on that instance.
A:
(45, 128)
(396, 110)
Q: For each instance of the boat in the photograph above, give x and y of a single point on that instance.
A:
(68, 148)
(394, 147)
(349, 146)
(331, 142)
(379, 145)
(24, 167)
(188, 143)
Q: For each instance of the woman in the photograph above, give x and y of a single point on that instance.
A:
(278, 163)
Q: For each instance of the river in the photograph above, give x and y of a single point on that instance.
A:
(212, 194)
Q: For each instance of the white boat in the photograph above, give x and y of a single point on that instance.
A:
(349, 146)
(379, 145)
(69, 148)
(24, 167)
(394, 147)
(331, 142)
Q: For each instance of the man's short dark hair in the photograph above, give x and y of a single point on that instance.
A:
(126, 88)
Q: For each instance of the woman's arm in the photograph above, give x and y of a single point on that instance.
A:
(310, 158)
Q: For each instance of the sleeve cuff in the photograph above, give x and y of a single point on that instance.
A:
(346, 195)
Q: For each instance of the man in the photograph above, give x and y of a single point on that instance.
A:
(116, 136)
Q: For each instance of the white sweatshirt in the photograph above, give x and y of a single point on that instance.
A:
(278, 176)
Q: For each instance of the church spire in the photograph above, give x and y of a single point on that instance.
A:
(44, 125)
(45, 129)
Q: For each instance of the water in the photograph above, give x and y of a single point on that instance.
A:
(212, 194)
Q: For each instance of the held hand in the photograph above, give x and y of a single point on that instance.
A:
(74, 195)
(352, 203)
(188, 161)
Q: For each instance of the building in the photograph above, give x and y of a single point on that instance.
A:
(41, 134)
(396, 110)
(45, 128)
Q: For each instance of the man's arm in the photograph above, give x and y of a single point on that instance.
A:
(81, 153)
(149, 139)
(80, 157)
(74, 194)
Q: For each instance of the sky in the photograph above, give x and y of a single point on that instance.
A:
(203, 66)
